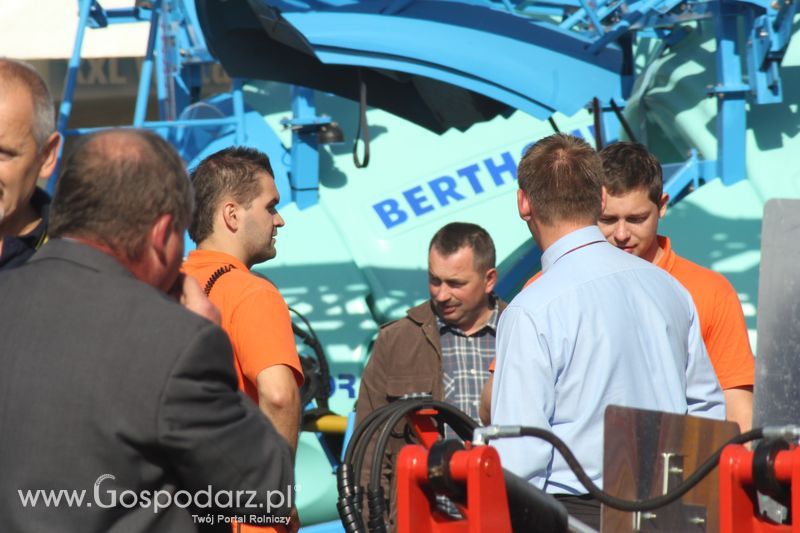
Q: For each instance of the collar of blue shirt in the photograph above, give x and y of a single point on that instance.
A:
(570, 242)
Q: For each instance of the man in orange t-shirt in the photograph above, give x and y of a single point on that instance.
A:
(234, 226)
(634, 204)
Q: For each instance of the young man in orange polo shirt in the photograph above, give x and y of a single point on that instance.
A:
(235, 225)
(634, 204)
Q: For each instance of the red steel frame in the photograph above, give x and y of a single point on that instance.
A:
(738, 507)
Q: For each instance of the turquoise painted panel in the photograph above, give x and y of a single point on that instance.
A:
(716, 226)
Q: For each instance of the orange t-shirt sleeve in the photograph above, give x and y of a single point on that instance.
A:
(262, 331)
(727, 342)
(533, 278)
(492, 365)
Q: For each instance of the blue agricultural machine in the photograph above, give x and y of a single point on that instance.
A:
(437, 100)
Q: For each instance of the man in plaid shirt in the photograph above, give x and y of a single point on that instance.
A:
(444, 346)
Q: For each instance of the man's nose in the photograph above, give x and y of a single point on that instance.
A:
(621, 232)
(279, 222)
(442, 295)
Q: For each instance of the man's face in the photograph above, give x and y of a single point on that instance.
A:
(174, 259)
(260, 223)
(630, 222)
(459, 292)
(21, 162)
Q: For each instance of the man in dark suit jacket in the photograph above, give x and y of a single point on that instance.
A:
(113, 397)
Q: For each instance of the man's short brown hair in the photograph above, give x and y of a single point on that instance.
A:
(113, 187)
(629, 166)
(233, 172)
(456, 235)
(14, 72)
(562, 177)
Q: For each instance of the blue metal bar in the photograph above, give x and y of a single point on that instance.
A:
(174, 95)
(635, 12)
(581, 14)
(125, 15)
(593, 18)
(102, 18)
(332, 459)
(678, 176)
(146, 75)
(682, 178)
(731, 123)
(65, 109)
(657, 20)
(74, 66)
(163, 77)
(783, 23)
(306, 121)
(543, 11)
(187, 123)
(768, 38)
(238, 111)
(195, 48)
(509, 6)
(351, 426)
(304, 177)
(97, 16)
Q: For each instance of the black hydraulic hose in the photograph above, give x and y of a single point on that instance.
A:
(375, 496)
(311, 340)
(639, 505)
(348, 478)
(623, 121)
(598, 124)
(460, 422)
(361, 428)
(349, 495)
(369, 427)
(356, 436)
(349, 473)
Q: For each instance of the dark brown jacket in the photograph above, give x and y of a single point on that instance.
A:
(406, 358)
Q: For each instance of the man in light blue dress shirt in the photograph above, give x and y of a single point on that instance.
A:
(599, 327)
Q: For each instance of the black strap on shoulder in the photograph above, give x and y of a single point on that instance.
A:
(215, 276)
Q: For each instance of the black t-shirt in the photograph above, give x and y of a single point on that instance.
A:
(18, 249)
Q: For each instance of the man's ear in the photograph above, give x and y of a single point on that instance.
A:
(160, 233)
(524, 206)
(491, 280)
(230, 215)
(662, 205)
(49, 155)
